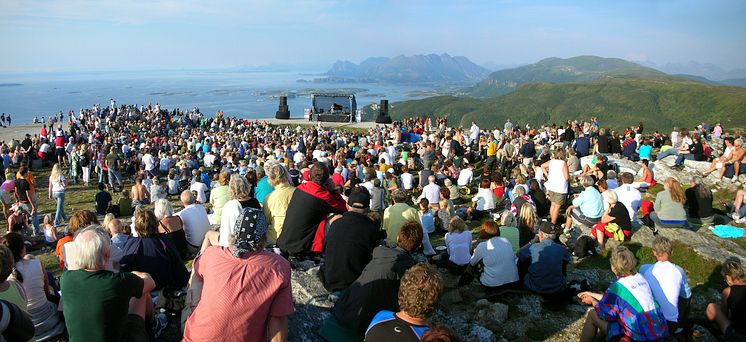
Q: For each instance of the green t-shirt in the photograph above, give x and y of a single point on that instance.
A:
(96, 303)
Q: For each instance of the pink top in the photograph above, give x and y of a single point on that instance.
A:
(239, 296)
(8, 185)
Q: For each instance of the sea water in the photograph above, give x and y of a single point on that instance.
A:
(243, 94)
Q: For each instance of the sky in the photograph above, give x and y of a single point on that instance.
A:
(82, 35)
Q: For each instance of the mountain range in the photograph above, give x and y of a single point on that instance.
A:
(619, 92)
(416, 69)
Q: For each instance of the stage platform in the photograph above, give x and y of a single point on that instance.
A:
(305, 122)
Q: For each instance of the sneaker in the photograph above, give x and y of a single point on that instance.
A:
(160, 321)
(741, 220)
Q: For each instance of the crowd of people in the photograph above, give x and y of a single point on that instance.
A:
(366, 206)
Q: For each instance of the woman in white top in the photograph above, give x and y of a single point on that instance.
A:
(500, 269)
(556, 184)
(30, 274)
(458, 245)
(56, 189)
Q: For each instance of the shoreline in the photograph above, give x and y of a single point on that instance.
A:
(19, 131)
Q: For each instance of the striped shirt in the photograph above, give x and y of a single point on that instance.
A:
(629, 307)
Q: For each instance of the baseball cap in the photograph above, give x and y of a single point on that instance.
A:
(359, 198)
(547, 227)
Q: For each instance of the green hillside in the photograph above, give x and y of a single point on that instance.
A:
(558, 70)
(658, 103)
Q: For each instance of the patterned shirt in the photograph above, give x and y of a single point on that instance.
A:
(629, 307)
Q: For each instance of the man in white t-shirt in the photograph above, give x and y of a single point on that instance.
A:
(196, 222)
(200, 188)
(149, 162)
(407, 180)
(465, 176)
(628, 195)
(668, 284)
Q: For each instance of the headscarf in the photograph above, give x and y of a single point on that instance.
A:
(251, 227)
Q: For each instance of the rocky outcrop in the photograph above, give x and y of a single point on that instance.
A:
(662, 170)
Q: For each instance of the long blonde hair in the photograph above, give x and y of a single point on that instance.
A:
(675, 189)
(56, 172)
(527, 216)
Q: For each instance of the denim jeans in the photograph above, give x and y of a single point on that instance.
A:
(666, 153)
(115, 178)
(681, 157)
(26, 206)
(59, 215)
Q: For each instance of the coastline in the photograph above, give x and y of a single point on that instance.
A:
(18, 131)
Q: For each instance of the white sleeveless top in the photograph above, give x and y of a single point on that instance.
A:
(555, 177)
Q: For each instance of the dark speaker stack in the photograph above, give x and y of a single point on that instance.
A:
(383, 113)
(283, 113)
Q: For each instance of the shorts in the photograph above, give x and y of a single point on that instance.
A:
(578, 216)
(135, 329)
(557, 198)
(600, 227)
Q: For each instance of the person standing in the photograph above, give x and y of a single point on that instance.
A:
(557, 182)
(57, 185)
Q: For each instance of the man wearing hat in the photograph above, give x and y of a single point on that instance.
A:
(543, 264)
(349, 243)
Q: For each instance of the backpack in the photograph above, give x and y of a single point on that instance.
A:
(584, 246)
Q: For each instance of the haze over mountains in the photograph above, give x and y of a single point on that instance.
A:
(409, 69)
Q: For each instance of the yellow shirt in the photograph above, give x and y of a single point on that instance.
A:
(491, 149)
(275, 208)
(396, 216)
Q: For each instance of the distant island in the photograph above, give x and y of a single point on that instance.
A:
(10, 84)
(416, 69)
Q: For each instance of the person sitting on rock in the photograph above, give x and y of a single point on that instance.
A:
(694, 152)
(375, 289)
(646, 176)
(725, 158)
(303, 230)
(630, 196)
(730, 314)
(419, 292)
(241, 275)
(669, 285)
(737, 165)
(615, 222)
(500, 270)
(669, 206)
(627, 308)
(587, 208)
(349, 243)
(598, 168)
(699, 203)
(739, 209)
(543, 265)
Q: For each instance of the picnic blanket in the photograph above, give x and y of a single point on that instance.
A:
(727, 231)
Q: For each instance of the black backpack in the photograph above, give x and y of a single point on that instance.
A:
(585, 246)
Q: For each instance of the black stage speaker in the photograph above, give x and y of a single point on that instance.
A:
(283, 113)
(383, 113)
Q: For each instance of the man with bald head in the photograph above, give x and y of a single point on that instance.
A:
(196, 222)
